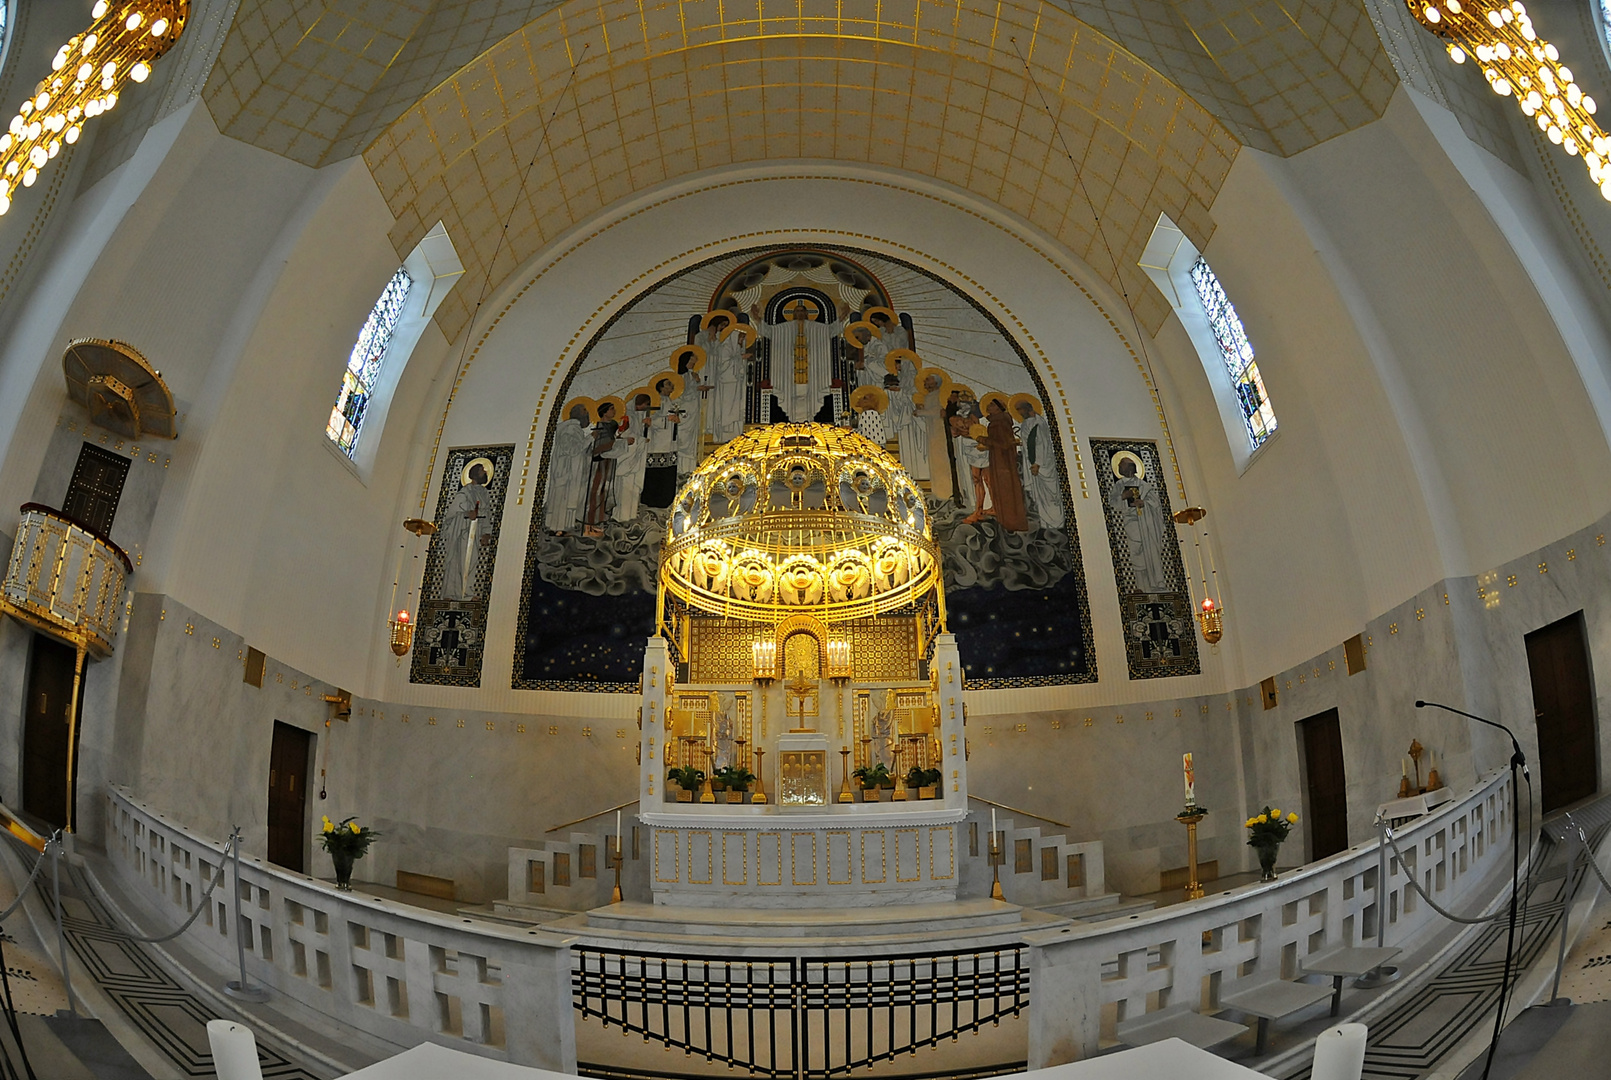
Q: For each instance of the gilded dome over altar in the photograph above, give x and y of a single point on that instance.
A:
(794, 518)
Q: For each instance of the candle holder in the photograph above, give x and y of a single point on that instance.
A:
(615, 861)
(760, 772)
(1416, 750)
(708, 794)
(845, 794)
(996, 856)
(1189, 817)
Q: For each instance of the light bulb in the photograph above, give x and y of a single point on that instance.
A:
(1564, 73)
(1552, 52)
(5, 204)
(159, 28)
(1432, 14)
(108, 70)
(1605, 190)
(133, 21)
(1554, 134)
(140, 72)
(55, 147)
(99, 9)
(58, 62)
(29, 177)
(1502, 87)
(42, 101)
(402, 616)
(111, 99)
(38, 156)
(89, 44)
(1570, 144)
(71, 136)
(1457, 54)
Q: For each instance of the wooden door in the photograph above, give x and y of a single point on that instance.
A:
(45, 744)
(1563, 707)
(288, 797)
(1328, 784)
(96, 487)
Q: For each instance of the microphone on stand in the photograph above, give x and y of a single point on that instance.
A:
(1517, 758)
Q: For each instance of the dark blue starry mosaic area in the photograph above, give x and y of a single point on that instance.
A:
(1023, 635)
(589, 642)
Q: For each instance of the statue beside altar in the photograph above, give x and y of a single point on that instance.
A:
(801, 644)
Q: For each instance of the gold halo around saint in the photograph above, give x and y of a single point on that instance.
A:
(978, 431)
(964, 391)
(1018, 399)
(893, 358)
(743, 330)
(677, 384)
(731, 316)
(869, 397)
(620, 408)
(872, 332)
(654, 396)
(484, 462)
(1126, 455)
(694, 352)
(884, 311)
(587, 403)
(923, 376)
(994, 395)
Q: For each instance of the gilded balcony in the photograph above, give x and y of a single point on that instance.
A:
(65, 580)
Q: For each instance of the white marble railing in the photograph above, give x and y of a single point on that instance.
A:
(1089, 979)
(405, 975)
(401, 974)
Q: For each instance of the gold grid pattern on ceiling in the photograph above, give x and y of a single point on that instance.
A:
(318, 80)
(672, 88)
(1284, 76)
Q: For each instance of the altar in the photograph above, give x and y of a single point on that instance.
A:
(801, 729)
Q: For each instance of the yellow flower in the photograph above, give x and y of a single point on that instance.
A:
(1250, 822)
(1275, 815)
(1292, 819)
(1264, 819)
(328, 827)
(354, 827)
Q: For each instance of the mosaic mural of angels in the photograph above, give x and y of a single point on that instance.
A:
(833, 335)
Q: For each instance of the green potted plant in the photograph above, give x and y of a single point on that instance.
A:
(346, 843)
(1265, 831)
(736, 780)
(924, 781)
(873, 779)
(689, 779)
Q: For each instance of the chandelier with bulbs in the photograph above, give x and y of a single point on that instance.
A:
(121, 44)
(1518, 63)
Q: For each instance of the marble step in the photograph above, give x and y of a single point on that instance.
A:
(969, 917)
(1097, 908)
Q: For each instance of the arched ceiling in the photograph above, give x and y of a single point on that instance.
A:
(446, 102)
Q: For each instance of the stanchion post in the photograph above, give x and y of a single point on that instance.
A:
(55, 846)
(1384, 973)
(241, 990)
(1572, 849)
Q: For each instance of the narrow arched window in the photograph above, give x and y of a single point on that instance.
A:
(1237, 352)
(363, 365)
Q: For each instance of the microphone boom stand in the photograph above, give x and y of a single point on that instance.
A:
(1518, 764)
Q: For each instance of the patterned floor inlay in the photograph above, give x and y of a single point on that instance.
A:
(1411, 1040)
(168, 1015)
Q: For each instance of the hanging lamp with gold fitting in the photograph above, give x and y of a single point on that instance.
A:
(400, 621)
(1210, 612)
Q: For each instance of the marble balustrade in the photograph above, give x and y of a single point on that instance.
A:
(400, 974)
(1087, 979)
(405, 975)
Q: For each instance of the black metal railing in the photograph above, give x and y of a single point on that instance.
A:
(799, 1017)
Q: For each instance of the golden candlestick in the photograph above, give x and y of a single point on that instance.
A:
(615, 861)
(708, 795)
(1190, 818)
(845, 794)
(1416, 750)
(760, 773)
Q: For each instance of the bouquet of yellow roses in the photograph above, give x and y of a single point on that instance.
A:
(1269, 827)
(347, 838)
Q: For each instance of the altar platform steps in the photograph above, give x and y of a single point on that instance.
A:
(962, 924)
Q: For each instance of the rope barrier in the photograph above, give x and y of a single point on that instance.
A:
(200, 907)
(1409, 877)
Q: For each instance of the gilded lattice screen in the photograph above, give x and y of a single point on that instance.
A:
(884, 648)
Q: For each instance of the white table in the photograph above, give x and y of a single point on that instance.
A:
(1273, 1000)
(1168, 1060)
(1345, 961)
(1178, 1024)
(428, 1061)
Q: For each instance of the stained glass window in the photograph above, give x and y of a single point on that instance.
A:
(363, 366)
(1237, 352)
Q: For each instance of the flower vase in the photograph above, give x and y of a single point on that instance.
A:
(343, 861)
(1267, 854)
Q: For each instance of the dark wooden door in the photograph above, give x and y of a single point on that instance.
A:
(44, 731)
(1563, 707)
(288, 797)
(96, 487)
(1328, 784)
